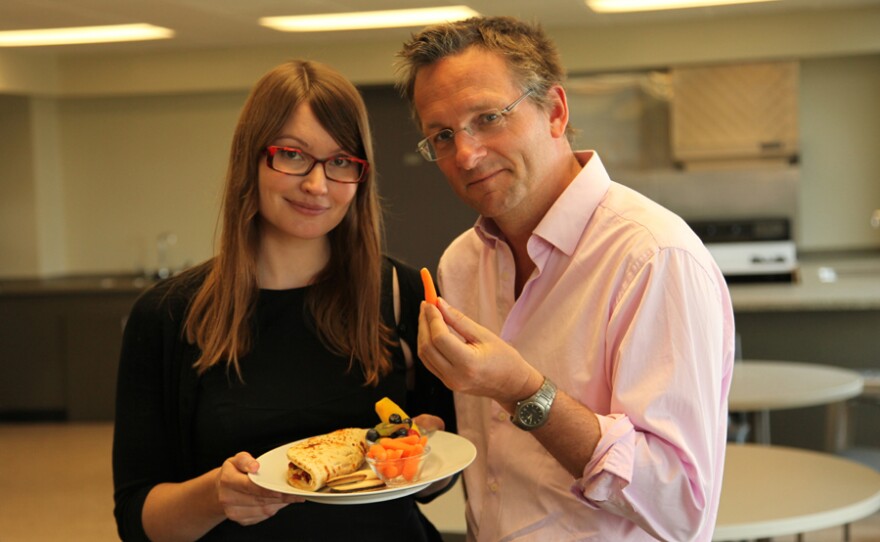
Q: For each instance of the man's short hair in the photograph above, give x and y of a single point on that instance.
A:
(531, 56)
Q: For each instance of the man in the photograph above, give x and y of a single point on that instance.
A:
(587, 315)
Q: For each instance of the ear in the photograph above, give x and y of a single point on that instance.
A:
(558, 111)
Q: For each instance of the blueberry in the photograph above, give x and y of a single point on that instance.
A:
(394, 418)
(372, 435)
(408, 421)
(402, 432)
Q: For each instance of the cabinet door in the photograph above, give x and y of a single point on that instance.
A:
(32, 375)
(93, 340)
(735, 112)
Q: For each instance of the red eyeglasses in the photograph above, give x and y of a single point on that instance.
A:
(341, 168)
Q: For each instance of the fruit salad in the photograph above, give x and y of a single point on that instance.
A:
(396, 447)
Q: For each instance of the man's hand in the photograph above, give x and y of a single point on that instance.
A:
(470, 359)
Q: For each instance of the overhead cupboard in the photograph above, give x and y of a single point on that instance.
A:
(734, 112)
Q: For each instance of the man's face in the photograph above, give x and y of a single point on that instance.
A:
(495, 173)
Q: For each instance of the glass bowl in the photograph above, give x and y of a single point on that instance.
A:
(398, 471)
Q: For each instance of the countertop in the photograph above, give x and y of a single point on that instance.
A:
(824, 282)
(73, 285)
(842, 282)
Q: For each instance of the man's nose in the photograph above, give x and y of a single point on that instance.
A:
(468, 149)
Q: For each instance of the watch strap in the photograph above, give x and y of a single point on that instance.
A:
(541, 399)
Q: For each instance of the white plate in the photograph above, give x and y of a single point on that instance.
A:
(450, 454)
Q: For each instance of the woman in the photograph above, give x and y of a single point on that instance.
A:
(292, 330)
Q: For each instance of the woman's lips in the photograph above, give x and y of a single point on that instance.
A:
(307, 208)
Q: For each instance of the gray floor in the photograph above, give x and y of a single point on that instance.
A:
(55, 484)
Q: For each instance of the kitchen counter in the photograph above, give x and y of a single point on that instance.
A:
(835, 283)
(59, 345)
(855, 286)
(76, 284)
(829, 316)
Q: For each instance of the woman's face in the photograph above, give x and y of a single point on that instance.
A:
(306, 207)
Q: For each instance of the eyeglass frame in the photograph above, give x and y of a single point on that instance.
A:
(272, 150)
(424, 146)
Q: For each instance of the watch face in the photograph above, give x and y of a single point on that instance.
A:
(531, 414)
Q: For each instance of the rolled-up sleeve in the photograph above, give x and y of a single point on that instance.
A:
(660, 459)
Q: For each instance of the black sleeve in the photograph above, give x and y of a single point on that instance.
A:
(429, 395)
(144, 445)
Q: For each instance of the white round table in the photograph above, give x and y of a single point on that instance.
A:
(777, 491)
(759, 386)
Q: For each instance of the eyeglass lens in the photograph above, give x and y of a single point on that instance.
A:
(442, 143)
(293, 161)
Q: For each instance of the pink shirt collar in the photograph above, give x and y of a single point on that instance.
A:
(566, 220)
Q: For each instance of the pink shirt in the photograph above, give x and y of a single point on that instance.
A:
(626, 312)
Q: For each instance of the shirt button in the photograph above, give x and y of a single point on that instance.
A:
(502, 416)
(493, 487)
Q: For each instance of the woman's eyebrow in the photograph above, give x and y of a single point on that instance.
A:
(288, 139)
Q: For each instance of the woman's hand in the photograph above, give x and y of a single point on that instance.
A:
(187, 510)
(428, 423)
(242, 500)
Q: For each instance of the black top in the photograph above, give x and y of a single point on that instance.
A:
(172, 425)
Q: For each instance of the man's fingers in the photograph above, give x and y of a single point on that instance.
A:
(432, 330)
(467, 329)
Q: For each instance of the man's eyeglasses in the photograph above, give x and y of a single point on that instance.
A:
(441, 144)
(341, 168)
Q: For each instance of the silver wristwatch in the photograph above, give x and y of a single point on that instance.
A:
(532, 413)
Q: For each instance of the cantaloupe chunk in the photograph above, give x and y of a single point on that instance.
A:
(385, 407)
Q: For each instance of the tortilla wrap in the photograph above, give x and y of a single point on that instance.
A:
(317, 459)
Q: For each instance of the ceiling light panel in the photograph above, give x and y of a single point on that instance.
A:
(83, 34)
(368, 19)
(624, 6)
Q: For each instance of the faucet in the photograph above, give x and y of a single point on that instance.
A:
(163, 242)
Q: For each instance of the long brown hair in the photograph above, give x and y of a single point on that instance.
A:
(346, 295)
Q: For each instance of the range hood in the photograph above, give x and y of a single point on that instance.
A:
(734, 113)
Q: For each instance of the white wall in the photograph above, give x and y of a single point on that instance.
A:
(18, 200)
(840, 138)
(141, 141)
(138, 166)
(48, 187)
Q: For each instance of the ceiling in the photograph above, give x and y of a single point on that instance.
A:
(233, 23)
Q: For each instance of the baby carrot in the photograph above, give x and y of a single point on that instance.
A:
(377, 451)
(428, 283)
(396, 444)
(409, 439)
(410, 468)
(400, 442)
(391, 470)
(394, 454)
